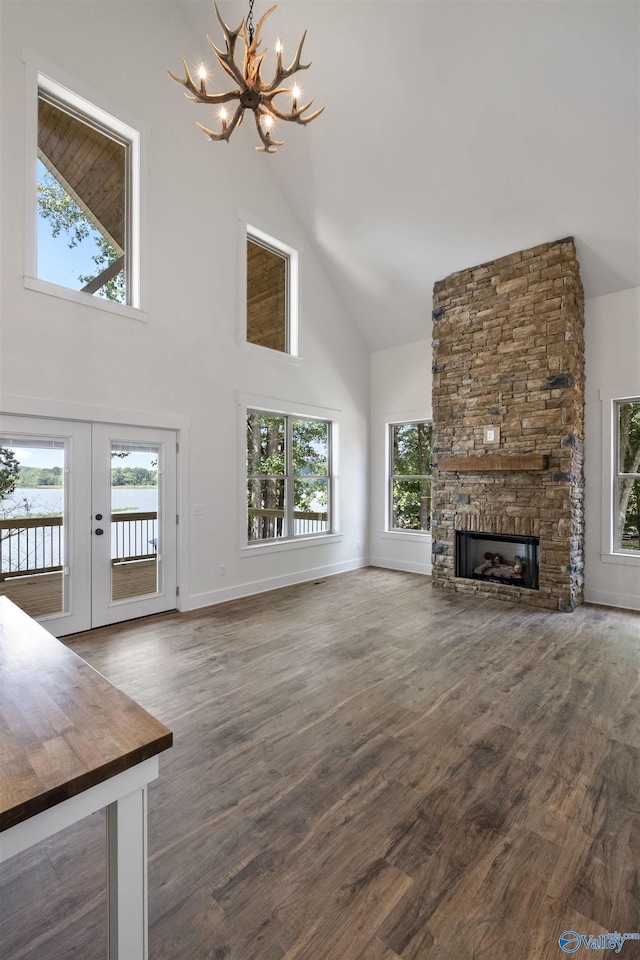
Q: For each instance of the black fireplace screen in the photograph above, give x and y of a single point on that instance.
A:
(497, 558)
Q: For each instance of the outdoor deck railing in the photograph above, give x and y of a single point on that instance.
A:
(30, 545)
(134, 536)
(268, 524)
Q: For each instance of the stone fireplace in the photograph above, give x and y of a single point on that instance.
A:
(508, 423)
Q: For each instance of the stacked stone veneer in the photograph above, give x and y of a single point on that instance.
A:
(508, 352)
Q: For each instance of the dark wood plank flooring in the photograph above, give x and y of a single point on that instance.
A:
(365, 768)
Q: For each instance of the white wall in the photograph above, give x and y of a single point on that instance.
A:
(185, 360)
(400, 391)
(612, 328)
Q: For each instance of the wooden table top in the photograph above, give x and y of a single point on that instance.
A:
(63, 726)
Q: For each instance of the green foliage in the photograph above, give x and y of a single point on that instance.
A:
(115, 288)
(40, 477)
(310, 448)
(411, 449)
(265, 445)
(65, 216)
(629, 463)
(133, 477)
(9, 472)
(411, 483)
(63, 213)
(53, 476)
(268, 485)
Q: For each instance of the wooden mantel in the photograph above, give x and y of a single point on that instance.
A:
(493, 462)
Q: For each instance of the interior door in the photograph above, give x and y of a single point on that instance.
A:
(133, 522)
(58, 562)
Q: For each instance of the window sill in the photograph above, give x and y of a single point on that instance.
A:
(406, 534)
(625, 559)
(270, 546)
(267, 352)
(85, 299)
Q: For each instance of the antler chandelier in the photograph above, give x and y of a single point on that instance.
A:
(253, 93)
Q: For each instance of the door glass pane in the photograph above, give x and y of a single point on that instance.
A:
(32, 524)
(135, 547)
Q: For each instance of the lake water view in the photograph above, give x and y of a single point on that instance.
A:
(42, 546)
(48, 500)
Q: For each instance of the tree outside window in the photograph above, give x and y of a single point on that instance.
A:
(627, 486)
(288, 476)
(410, 480)
(85, 197)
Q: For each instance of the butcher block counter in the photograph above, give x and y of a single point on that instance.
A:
(70, 744)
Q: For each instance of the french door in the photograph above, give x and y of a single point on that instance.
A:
(87, 521)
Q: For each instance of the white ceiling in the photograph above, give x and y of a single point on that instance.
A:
(457, 131)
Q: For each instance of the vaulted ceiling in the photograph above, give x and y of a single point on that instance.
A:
(456, 131)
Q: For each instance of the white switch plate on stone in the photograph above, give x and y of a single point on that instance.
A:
(492, 434)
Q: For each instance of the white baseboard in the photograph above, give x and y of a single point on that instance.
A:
(627, 601)
(424, 568)
(213, 597)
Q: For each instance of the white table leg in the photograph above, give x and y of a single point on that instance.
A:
(127, 877)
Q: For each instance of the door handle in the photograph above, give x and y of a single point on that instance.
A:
(98, 516)
(99, 532)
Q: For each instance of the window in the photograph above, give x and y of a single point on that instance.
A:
(626, 506)
(271, 293)
(410, 477)
(86, 197)
(288, 476)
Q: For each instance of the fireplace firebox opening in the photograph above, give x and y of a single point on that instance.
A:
(498, 558)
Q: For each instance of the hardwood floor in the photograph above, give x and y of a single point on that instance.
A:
(365, 768)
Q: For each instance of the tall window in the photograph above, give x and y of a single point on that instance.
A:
(627, 480)
(410, 476)
(84, 197)
(288, 476)
(271, 293)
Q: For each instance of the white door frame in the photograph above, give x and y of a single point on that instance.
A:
(76, 571)
(63, 410)
(105, 610)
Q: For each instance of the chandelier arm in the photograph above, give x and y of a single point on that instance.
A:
(282, 73)
(228, 64)
(269, 144)
(294, 115)
(230, 36)
(235, 121)
(255, 42)
(216, 98)
(252, 70)
(197, 95)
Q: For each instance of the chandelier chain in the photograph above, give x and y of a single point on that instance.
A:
(250, 27)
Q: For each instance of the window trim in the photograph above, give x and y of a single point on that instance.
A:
(610, 399)
(302, 411)
(249, 230)
(73, 93)
(389, 530)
